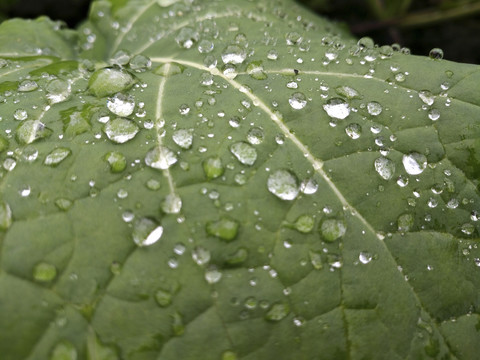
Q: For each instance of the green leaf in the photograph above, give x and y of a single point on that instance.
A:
(233, 180)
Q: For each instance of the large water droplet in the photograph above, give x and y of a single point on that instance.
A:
(234, 54)
(244, 152)
(121, 104)
(354, 131)
(385, 168)
(212, 275)
(160, 157)
(32, 130)
(414, 163)
(146, 232)
(255, 136)
(56, 156)
(44, 272)
(225, 228)
(172, 204)
(332, 229)
(120, 130)
(183, 138)
(283, 184)
(186, 37)
(140, 63)
(436, 54)
(374, 108)
(337, 108)
(213, 167)
(427, 97)
(57, 91)
(304, 223)
(297, 101)
(277, 311)
(27, 86)
(255, 70)
(108, 81)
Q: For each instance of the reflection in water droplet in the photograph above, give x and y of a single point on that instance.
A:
(160, 157)
(365, 257)
(434, 114)
(146, 232)
(385, 167)
(354, 131)
(337, 108)
(120, 130)
(309, 186)
(427, 97)
(255, 136)
(244, 152)
(414, 163)
(20, 114)
(186, 37)
(436, 53)
(467, 229)
(297, 101)
(283, 184)
(121, 105)
(44, 272)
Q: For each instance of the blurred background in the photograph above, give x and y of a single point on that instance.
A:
(420, 25)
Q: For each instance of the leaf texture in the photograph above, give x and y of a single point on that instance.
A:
(233, 180)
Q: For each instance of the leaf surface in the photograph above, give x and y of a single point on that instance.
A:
(233, 180)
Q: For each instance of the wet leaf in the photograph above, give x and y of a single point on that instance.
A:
(233, 180)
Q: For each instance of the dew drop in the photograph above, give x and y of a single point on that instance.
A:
(163, 298)
(309, 186)
(116, 160)
(297, 101)
(27, 86)
(374, 108)
(121, 104)
(32, 130)
(277, 311)
(120, 130)
(427, 97)
(436, 54)
(434, 114)
(186, 37)
(5, 216)
(316, 259)
(467, 229)
(255, 136)
(140, 63)
(224, 229)
(414, 163)
(255, 70)
(56, 156)
(108, 81)
(283, 184)
(200, 255)
(178, 327)
(332, 229)
(354, 131)
(160, 157)
(348, 92)
(234, 54)
(20, 114)
(44, 272)
(213, 167)
(57, 91)
(212, 275)
(304, 223)
(337, 108)
(63, 204)
(405, 222)
(146, 232)
(385, 167)
(244, 152)
(183, 138)
(172, 204)
(365, 257)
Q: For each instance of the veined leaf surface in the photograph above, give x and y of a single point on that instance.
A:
(233, 180)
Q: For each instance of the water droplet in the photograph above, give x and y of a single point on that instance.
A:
(414, 163)
(121, 104)
(225, 228)
(183, 138)
(255, 136)
(32, 130)
(436, 53)
(366, 42)
(64, 350)
(348, 92)
(140, 63)
(304, 223)
(238, 257)
(385, 167)
(434, 114)
(27, 86)
(20, 114)
(405, 222)
(316, 259)
(178, 328)
(255, 70)
(57, 91)
(163, 298)
(277, 311)
(169, 69)
(108, 81)
(120, 130)
(272, 54)
(244, 152)
(283, 184)
(374, 108)
(234, 54)
(63, 204)
(44, 272)
(116, 160)
(186, 37)
(332, 229)
(354, 131)
(432, 203)
(293, 38)
(121, 58)
(365, 257)
(337, 108)
(212, 275)
(9, 164)
(160, 157)
(200, 255)
(452, 203)
(56, 156)
(427, 97)
(467, 229)
(172, 204)
(5, 216)
(297, 101)
(146, 232)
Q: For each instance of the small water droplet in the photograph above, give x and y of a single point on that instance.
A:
(57, 91)
(354, 130)
(172, 204)
(244, 152)
(297, 101)
(309, 186)
(255, 70)
(140, 63)
(178, 328)
(234, 54)
(186, 37)
(200, 255)
(316, 259)
(63, 204)
(332, 229)
(414, 163)
(374, 108)
(212, 275)
(109, 81)
(385, 167)
(225, 228)
(160, 157)
(20, 114)
(365, 257)
(120, 130)
(44, 272)
(183, 138)
(427, 97)
(116, 160)
(337, 108)
(467, 229)
(434, 114)
(283, 184)
(436, 53)
(163, 298)
(304, 223)
(27, 86)
(348, 92)
(405, 222)
(56, 156)
(121, 104)
(146, 232)
(277, 311)
(32, 130)
(255, 136)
